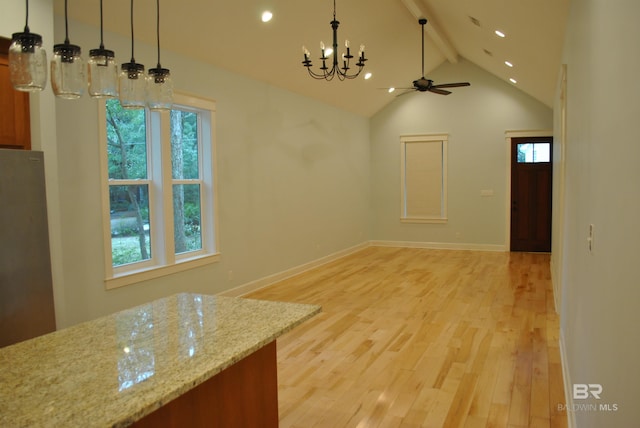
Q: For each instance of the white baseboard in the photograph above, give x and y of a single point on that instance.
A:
(440, 245)
(297, 270)
(268, 280)
(568, 396)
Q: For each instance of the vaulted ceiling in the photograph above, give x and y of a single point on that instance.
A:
(231, 35)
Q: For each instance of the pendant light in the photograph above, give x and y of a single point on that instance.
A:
(132, 80)
(159, 83)
(27, 60)
(103, 71)
(67, 67)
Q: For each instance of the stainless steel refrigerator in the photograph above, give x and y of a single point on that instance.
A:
(26, 293)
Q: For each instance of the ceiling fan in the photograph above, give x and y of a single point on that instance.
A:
(427, 85)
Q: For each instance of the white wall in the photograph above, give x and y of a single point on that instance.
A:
(476, 119)
(599, 312)
(293, 183)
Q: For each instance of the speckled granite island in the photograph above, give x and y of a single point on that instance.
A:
(185, 360)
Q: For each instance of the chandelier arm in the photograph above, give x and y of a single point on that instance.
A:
(316, 75)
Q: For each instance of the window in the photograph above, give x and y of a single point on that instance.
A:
(159, 198)
(534, 152)
(424, 178)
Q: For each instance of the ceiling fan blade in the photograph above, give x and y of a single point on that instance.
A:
(408, 90)
(452, 85)
(438, 91)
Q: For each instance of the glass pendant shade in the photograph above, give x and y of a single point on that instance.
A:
(132, 85)
(103, 74)
(27, 62)
(67, 71)
(159, 89)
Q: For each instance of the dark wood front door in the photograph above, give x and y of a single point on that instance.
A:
(531, 179)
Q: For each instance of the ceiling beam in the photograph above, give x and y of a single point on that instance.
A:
(419, 10)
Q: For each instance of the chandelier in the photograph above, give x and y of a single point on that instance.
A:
(342, 71)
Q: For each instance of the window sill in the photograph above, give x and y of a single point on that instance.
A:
(423, 220)
(134, 277)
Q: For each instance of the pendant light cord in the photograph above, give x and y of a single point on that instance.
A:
(132, 57)
(26, 23)
(101, 33)
(158, 29)
(66, 24)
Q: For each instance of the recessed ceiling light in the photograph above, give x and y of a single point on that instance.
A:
(367, 76)
(508, 64)
(391, 89)
(266, 16)
(512, 80)
(500, 33)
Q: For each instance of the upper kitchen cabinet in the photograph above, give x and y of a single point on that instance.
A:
(14, 107)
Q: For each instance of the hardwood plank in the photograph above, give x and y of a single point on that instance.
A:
(422, 338)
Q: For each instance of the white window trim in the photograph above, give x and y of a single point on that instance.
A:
(426, 138)
(164, 261)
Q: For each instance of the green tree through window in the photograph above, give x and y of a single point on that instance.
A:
(129, 203)
(185, 173)
(159, 175)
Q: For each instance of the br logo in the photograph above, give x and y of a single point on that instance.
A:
(582, 391)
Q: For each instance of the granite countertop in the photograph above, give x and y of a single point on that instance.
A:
(116, 369)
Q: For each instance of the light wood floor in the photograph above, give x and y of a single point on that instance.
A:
(422, 338)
